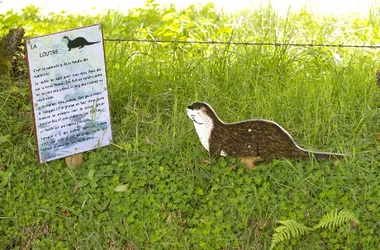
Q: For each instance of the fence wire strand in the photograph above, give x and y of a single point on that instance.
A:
(244, 43)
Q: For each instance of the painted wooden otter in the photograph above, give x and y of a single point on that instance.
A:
(253, 140)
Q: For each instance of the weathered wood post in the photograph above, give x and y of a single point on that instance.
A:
(74, 160)
(8, 47)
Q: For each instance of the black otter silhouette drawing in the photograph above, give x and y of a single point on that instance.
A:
(78, 42)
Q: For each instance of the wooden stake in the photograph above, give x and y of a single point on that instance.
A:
(74, 160)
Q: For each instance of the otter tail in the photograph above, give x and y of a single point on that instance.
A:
(89, 43)
(305, 154)
(328, 156)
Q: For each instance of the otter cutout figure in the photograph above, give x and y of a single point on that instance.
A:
(251, 141)
(78, 42)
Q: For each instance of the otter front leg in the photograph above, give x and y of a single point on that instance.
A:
(215, 150)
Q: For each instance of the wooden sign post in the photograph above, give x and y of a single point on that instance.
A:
(69, 92)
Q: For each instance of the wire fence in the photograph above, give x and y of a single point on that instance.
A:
(245, 43)
(277, 44)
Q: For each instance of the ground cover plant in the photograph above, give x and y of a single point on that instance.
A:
(155, 186)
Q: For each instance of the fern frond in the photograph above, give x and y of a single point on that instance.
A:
(335, 219)
(289, 229)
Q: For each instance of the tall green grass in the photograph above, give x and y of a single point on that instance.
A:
(309, 90)
(175, 196)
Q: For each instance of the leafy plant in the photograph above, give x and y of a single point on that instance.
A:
(91, 180)
(289, 229)
(334, 219)
(292, 229)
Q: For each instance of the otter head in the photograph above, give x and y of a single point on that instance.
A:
(204, 119)
(65, 39)
(201, 114)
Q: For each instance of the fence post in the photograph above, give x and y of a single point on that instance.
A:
(74, 160)
(8, 47)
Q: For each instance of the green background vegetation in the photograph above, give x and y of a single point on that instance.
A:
(155, 187)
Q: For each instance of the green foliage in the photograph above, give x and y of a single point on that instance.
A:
(335, 219)
(291, 229)
(155, 187)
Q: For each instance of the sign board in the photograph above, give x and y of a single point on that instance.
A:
(69, 92)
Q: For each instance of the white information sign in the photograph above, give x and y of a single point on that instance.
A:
(69, 92)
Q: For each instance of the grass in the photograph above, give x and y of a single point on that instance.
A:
(155, 186)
